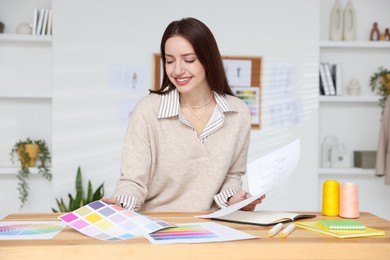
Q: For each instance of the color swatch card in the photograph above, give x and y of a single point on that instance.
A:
(27, 230)
(111, 223)
(203, 232)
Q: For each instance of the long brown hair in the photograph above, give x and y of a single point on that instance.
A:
(206, 49)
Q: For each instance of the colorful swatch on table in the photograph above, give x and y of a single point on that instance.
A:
(111, 223)
(201, 232)
(183, 232)
(23, 230)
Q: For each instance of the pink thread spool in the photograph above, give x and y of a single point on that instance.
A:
(349, 200)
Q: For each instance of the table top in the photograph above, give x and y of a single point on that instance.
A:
(300, 244)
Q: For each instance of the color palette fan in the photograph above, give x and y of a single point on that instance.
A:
(111, 223)
(26, 230)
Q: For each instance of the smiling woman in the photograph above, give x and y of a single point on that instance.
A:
(172, 158)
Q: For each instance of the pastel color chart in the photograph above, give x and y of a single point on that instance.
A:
(202, 232)
(111, 223)
(183, 232)
(30, 230)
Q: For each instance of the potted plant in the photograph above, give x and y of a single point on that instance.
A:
(29, 153)
(380, 81)
(81, 197)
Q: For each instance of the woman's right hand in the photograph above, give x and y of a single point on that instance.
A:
(112, 201)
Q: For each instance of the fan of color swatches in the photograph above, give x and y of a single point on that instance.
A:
(201, 232)
(188, 232)
(30, 230)
(111, 223)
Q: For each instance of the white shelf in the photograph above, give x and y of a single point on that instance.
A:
(15, 170)
(21, 96)
(355, 44)
(345, 99)
(28, 38)
(346, 171)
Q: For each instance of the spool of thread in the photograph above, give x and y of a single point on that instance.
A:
(349, 200)
(330, 198)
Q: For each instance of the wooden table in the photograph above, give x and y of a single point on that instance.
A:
(301, 244)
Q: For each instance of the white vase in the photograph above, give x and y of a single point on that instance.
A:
(329, 144)
(24, 28)
(349, 32)
(336, 22)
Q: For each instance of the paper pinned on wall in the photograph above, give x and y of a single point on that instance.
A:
(238, 72)
(264, 174)
(126, 78)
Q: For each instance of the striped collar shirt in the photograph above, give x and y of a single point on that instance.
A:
(170, 107)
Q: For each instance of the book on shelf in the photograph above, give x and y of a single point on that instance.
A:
(262, 217)
(316, 226)
(44, 25)
(330, 79)
(336, 76)
(342, 224)
(40, 21)
(324, 89)
(35, 21)
(49, 23)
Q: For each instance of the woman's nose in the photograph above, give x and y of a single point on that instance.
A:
(179, 68)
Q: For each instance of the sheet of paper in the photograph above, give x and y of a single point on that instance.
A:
(264, 174)
(30, 230)
(203, 232)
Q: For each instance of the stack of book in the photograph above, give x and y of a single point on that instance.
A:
(330, 79)
(42, 22)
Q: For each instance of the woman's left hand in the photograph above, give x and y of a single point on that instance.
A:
(242, 195)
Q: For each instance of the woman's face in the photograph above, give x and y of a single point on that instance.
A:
(183, 67)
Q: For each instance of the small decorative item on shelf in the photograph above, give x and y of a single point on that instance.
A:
(24, 28)
(380, 82)
(375, 34)
(1, 27)
(354, 87)
(328, 145)
(336, 22)
(386, 35)
(29, 151)
(340, 157)
(349, 32)
(81, 197)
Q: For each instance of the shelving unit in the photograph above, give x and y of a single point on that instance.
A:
(355, 120)
(25, 81)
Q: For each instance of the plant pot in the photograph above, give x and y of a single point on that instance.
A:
(28, 154)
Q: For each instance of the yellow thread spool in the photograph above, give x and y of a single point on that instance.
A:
(331, 198)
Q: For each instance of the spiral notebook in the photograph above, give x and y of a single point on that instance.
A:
(342, 224)
(316, 226)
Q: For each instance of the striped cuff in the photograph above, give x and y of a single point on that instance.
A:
(127, 202)
(222, 198)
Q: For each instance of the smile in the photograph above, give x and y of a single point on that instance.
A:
(182, 81)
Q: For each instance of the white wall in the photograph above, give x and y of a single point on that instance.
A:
(87, 130)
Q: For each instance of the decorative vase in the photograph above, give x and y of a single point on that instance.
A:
(349, 32)
(24, 28)
(32, 152)
(336, 22)
(354, 88)
(329, 144)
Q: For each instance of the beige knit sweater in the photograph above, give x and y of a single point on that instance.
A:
(167, 168)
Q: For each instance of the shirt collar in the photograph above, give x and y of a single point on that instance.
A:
(170, 104)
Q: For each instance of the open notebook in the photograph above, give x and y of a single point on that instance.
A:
(262, 218)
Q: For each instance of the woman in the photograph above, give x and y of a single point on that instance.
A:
(186, 145)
